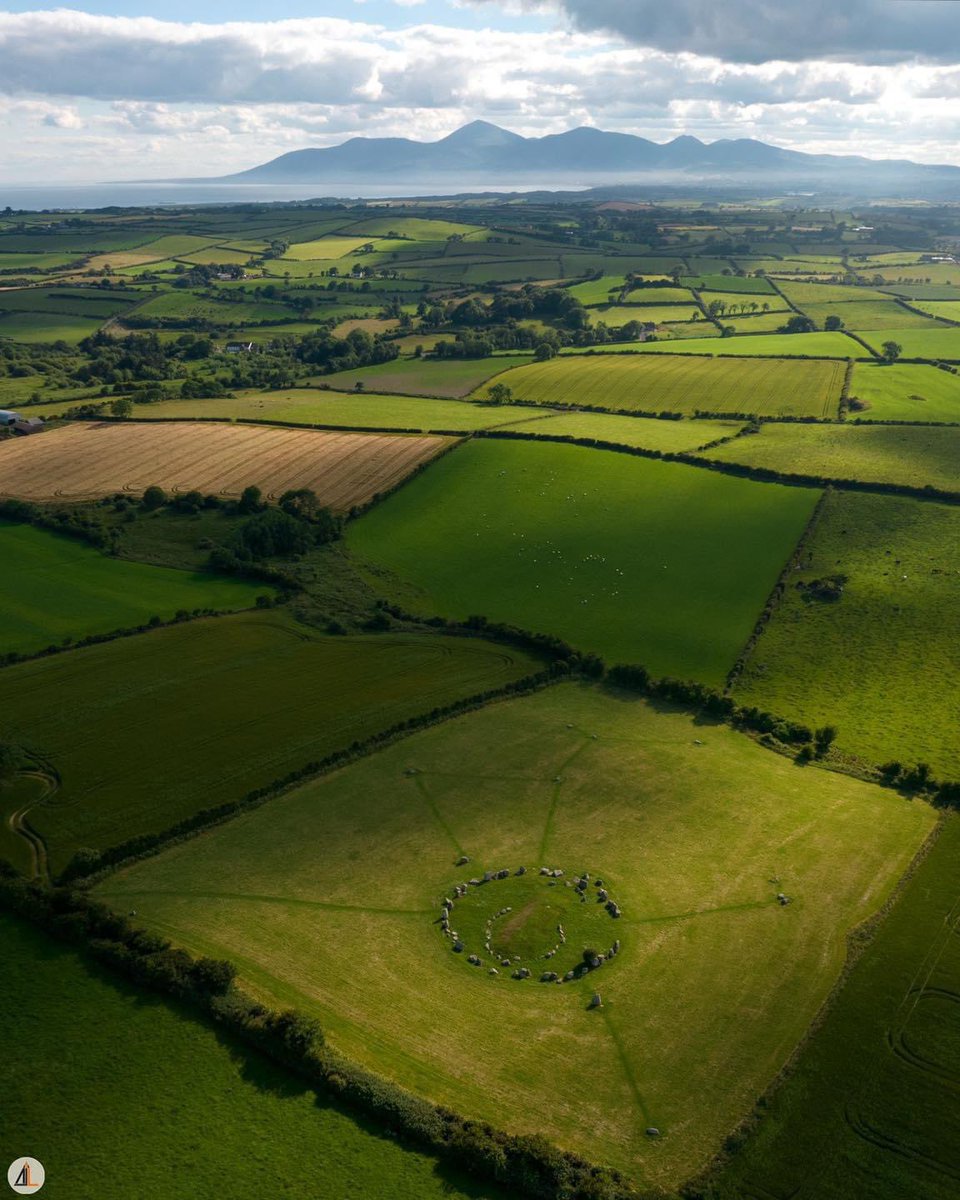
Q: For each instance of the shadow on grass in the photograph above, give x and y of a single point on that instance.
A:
(260, 1072)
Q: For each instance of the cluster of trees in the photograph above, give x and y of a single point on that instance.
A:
(289, 530)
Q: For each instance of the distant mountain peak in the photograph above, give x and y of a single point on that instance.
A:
(480, 133)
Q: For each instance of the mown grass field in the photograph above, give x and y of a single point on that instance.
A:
(677, 384)
(88, 459)
(313, 406)
(906, 392)
(873, 1107)
(56, 588)
(424, 376)
(617, 315)
(328, 897)
(184, 305)
(880, 664)
(144, 731)
(646, 432)
(918, 456)
(636, 560)
(934, 344)
(801, 294)
(776, 345)
(193, 1102)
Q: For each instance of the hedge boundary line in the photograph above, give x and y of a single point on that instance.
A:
(528, 1163)
(739, 470)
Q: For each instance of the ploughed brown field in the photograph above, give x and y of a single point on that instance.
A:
(89, 459)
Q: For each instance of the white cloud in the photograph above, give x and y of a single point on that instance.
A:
(94, 95)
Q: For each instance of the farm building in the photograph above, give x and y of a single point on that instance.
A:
(9, 418)
(239, 347)
(27, 425)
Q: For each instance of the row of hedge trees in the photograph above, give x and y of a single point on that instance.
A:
(526, 1163)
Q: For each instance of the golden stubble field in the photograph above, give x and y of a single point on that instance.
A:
(89, 459)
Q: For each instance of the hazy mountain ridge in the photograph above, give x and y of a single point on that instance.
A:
(587, 155)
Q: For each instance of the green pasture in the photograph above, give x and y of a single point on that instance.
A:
(918, 456)
(935, 344)
(328, 899)
(199, 714)
(86, 302)
(741, 284)
(880, 663)
(766, 345)
(184, 305)
(905, 392)
(325, 247)
(186, 1100)
(10, 263)
(616, 315)
(174, 245)
(873, 1107)
(870, 314)
(745, 303)
(57, 589)
(941, 274)
(39, 328)
(351, 410)
(768, 387)
(446, 377)
(662, 295)
(636, 560)
(421, 229)
(949, 310)
(646, 432)
(595, 291)
(802, 294)
(746, 324)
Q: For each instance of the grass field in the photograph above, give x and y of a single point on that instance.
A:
(870, 314)
(802, 294)
(786, 345)
(874, 1105)
(202, 713)
(451, 377)
(636, 560)
(617, 315)
(595, 291)
(57, 588)
(312, 406)
(935, 344)
(948, 309)
(657, 295)
(677, 384)
(46, 327)
(905, 392)
(880, 663)
(750, 285)
(184, 306)
(327, 899)
(87, 459)
(253, 1129)
(647, 432)
(914, 455)
(751, 323)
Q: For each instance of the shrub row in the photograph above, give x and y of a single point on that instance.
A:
(741, 470)
(526, 1163)
(88, 864)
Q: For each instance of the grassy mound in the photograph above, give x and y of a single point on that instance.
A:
(329, 898)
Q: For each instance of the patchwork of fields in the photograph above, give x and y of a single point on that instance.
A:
(632, 1014)
(635, 560)
(330, 901)
(87, 459)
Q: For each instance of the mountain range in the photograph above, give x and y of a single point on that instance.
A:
(484, 153)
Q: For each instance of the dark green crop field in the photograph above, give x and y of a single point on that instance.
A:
(636, 560)
(142, 732)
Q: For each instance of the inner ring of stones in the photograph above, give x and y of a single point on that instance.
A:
(544, 925)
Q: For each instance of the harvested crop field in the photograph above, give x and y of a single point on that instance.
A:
(90, 459)
(767, 387)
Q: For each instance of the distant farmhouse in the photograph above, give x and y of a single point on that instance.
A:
(19, 424)
(239, 347)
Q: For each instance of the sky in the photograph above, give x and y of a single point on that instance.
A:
(126, 89)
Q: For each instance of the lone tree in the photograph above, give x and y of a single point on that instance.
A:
(891, 351)
(824, 738)
(499, 394)
(153, 498)
(833, 322)
(251, 500)
(543, 352)
(122, 406)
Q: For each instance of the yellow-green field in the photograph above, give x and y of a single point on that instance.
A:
(328, 898)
